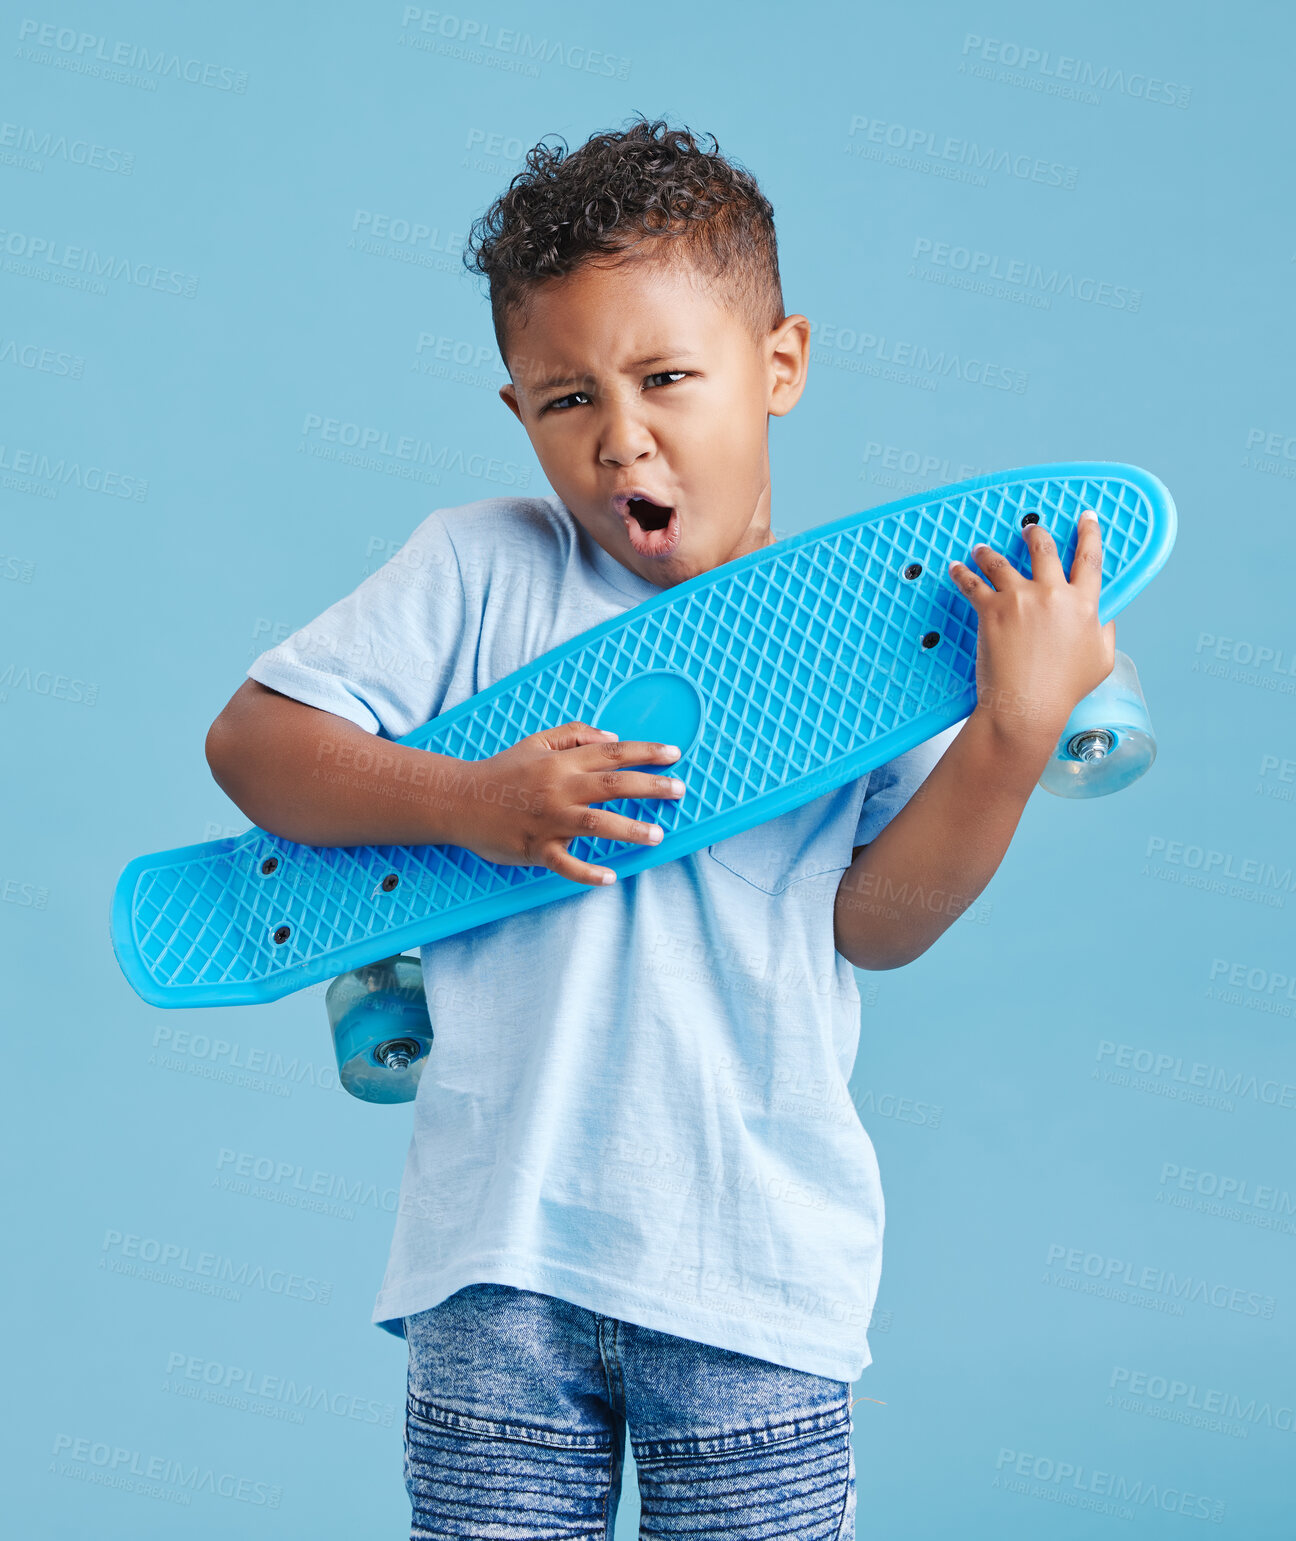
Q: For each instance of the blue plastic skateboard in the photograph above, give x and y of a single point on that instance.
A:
(781, 675)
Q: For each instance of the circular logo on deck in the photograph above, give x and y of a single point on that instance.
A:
(659, 705)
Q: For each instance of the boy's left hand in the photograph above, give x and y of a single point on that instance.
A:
(1040, 648)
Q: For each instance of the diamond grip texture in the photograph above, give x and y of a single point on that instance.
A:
(809, 656)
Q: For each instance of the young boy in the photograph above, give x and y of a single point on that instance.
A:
(638, 1193)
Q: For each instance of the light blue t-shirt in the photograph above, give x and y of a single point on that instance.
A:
(636, 1097)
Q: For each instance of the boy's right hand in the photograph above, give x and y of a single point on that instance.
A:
(531, 799)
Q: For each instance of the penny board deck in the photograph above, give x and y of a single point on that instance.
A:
(781, 675)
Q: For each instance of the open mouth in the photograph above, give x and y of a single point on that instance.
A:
(653, 528)
(651, 516)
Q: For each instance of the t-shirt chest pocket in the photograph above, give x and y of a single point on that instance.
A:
(811, 841)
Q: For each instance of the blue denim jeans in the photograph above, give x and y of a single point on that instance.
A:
(519, 1404)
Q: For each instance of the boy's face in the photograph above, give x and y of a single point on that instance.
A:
(647, 401)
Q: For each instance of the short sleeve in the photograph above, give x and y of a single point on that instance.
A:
(382, 657)
(891, 786)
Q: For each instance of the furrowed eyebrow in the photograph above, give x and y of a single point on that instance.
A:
(554, 382)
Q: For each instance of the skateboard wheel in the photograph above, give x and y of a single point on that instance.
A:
(381, 1031)
(1108, 740)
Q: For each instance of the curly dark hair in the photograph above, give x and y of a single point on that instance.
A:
(611, 197)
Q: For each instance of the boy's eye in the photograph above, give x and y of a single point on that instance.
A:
(560, 405)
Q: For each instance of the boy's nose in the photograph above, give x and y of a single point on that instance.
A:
(623, 436)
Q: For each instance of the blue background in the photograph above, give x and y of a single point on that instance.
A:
(171, 504)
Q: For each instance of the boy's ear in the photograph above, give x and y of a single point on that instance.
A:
(508, 395)
(789, 359)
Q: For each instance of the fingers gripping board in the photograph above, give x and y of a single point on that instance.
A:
(781, 675)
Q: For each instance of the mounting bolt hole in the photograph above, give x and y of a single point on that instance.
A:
(269, 865)
(931, 639)
(282, 935)
(913, 569)
(1029, 519)
(389, 882)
